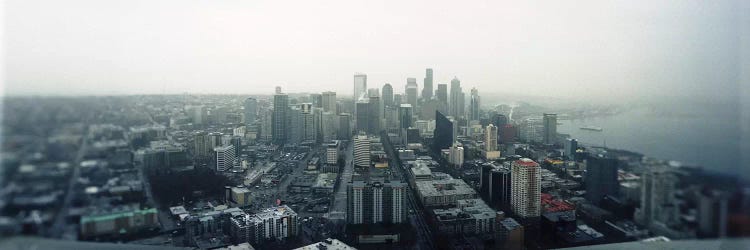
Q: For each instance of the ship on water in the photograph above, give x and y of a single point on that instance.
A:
(592, 128)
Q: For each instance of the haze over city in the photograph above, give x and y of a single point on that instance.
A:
(344, 125)
(559, 49)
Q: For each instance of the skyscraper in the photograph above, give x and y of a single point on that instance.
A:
(317, 100)
(266, 124)
(456, 102)
(344, 129)
(427, 87)
(397, 99)
(658, 203)
(411, 91)
(251, 110)
(571, 145)
(490, 138)
(361, 151)
(362, 118)
(360, 88)
(374, 114)
(442, 96)
(307, 121)
(201, 146)
(224, 157)
(525, 188)
(279, 119)
(329, 123)
(294, 125)
(456, 155)
(474, 105)
(329, 101)
(443, 134)
(601, 177)
(495, 184)
(387, 95)
(550, 128)
(405, 113)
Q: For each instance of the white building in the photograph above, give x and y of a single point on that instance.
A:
(525, 196)
(224, 157)
(361, 151)
(456, 157)
(376, 202)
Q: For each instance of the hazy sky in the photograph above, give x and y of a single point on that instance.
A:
(549, 48)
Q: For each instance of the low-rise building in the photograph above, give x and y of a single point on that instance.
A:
(327, 244)
(123, 219)
(443, 192)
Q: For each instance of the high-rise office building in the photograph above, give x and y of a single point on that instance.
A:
(329, 123)
(236, 142)
(498, 119)
(525, 188)
(405, 116)
(490, 138)
(387, 95)
(495, 185)
(443, 135)
(214, 139)
(329, 101)
(197, 114)
(658, 203)
(202, 146)
(360, 88)
(362, 118)
(456, 104)
(570, 147)
(508, 134)
(373, 92)
(251, 110)
(266, 125)
(411, 91)
(361, 151)
(344, 129)
(307, 121)
(712, 214)
(550, 128)
(279, 123)
(456, 157)
(376, 202)
(601, 177)
(474, 105)
(224, 157)
(277, 90)
(427, 87)
(442, 96)
(374, 115)
(294, 125)
(316, 100)
(397, 100)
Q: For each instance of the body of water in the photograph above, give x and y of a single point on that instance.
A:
(693, 133)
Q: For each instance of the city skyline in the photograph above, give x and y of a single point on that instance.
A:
(343, 124)
(157, 55)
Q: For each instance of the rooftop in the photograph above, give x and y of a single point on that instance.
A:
(526, 162)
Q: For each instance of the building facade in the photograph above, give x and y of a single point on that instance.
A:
(526, 188)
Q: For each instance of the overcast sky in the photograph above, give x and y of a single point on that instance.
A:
(551, 48)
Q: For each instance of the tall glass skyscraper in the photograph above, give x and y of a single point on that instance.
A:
(411, 91)
(443, 135)
(427, 88)
(279, 119)
(251, 110)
